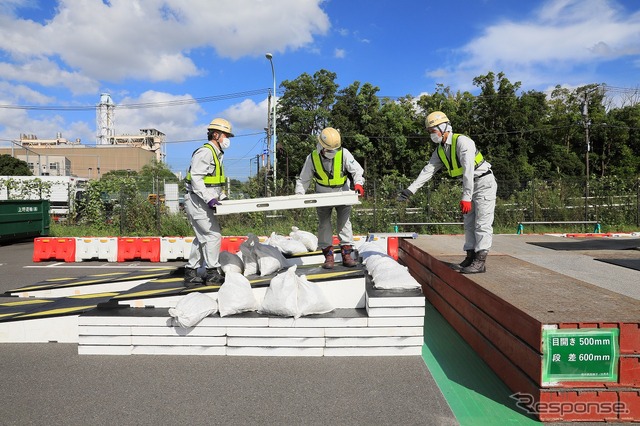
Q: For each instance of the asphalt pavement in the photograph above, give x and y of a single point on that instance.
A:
(49, 383)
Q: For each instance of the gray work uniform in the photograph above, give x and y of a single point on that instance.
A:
(205, 249)
(350, 167)
(478, 186)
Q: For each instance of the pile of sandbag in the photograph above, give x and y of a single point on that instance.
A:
(297, 242)
(370, 248)
(288, 295)
(386, 273)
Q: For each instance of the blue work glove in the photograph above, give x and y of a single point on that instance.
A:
(213, 203)
(404, 195)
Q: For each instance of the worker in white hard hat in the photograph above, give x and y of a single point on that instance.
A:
(205, 189)
(459, 156)
(331, 166)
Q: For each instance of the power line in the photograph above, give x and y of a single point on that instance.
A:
(142, 105)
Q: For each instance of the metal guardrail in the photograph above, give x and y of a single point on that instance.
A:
(596, 229)
(397, 224)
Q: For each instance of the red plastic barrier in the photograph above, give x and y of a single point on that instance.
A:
(143, 248)
(232, 244)
(392, 247)
(589, 235)
(54, 249)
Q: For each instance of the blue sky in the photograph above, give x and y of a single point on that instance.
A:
(66, 53)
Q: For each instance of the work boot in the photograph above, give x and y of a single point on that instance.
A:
(478, 264)
(328, 257)
(213, 277)
(191, 278)
(471, 254)
(347, 260)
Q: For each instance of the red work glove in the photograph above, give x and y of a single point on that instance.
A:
(359, 189)
(465, 206)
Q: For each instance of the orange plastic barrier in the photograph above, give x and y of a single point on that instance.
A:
(143, 248)
(232, 244)
(54, 249)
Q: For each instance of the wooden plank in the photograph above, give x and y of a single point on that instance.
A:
(513, 319)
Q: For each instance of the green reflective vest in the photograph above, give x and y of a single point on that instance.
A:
(216, 179)
(453, 165)
(335, 179)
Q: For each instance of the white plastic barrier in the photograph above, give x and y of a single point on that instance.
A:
(175, 248)
(102, 248)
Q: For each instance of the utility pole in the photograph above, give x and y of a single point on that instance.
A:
(586, 123)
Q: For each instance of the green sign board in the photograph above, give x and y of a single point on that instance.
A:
(586, 354)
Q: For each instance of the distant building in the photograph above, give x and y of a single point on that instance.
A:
(61, 157)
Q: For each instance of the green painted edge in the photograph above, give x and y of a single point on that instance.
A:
(473, 391)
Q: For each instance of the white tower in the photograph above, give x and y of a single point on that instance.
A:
(104, 119)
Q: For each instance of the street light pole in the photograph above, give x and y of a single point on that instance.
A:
(269, 56)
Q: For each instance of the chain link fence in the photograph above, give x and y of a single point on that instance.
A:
(612, 203)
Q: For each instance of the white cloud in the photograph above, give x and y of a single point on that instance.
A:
(563, 36)
(178, 122)
(46, 73)
(152, 40)
(248, 115)
(339, 53)
(21, 94)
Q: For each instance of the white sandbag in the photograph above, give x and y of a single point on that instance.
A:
(369, 249)
(287, 246)
(307, 238)
(290, 246)
(236, 295)
(248, 255)
(270, 260)
(230, 262)
(379, 263)
(311, 299)
(192, 308)
(394, 278)
(373, 258)
(281, 297)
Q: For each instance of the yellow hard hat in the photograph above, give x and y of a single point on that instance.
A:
(222, 125)
(329, 138)
(435, 118)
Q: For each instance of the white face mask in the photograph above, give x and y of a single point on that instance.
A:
(225, 143)
(435, 137)
(329, 154)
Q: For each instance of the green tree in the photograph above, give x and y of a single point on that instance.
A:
(11, 166)
(356, 113)
(303, 111)
(153, 176)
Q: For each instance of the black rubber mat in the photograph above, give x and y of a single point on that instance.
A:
(626, 263)
(600, 243)
(161, 283)
(108, 277)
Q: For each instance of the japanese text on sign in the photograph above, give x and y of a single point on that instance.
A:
(580, 355)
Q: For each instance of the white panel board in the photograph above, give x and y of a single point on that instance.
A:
(288, 202)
